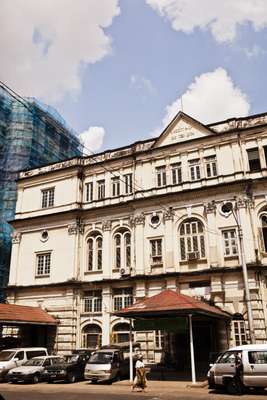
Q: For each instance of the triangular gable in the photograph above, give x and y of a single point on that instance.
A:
(182, 128)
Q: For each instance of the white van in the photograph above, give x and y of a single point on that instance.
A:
(12, 358)
(253, 359)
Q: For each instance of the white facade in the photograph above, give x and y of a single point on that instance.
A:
(130, 222)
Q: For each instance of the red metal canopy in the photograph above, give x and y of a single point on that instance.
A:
(171, 303)
(16, 314)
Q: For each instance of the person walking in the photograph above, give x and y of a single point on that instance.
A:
(140, 377)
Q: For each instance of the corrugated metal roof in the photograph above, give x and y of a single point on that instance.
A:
(170, 302)
(14, 313)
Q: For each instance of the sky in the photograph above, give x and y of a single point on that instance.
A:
(116, 70)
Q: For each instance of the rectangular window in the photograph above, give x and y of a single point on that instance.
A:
(89, 191)
(176, 173)
(159, 339)
(211, 166)
(230, 243)
(43, 264)
(101, 189)
(257, 357)
(92, 301)
(239, 329)
(161, 176)
(48, 196)
(156, 251)
(194, 168)
(115, 186)
(128, 178)
(122, 297)
(254, 160)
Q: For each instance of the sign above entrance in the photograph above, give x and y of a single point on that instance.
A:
(176, 325)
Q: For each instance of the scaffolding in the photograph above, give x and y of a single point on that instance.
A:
(31, 135)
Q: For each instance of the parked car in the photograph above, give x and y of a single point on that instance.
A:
(32, 370)
(253, 358)
(107, 364)
(71, 369)
(12, 358)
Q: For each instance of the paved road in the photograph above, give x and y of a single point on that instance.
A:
(82, 391)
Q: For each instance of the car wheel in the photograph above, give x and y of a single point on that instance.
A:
(71, 377)
(36, 379)
(234, 386)
(50, 381)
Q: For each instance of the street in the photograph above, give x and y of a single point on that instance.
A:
(83, 390)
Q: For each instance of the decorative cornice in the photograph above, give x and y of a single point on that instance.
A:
(107, 225)
(211, 207)
(168, 214)
(16, 237)
(74, 229)
(140, 219)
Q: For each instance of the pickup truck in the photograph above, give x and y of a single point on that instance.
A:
(71, 370)
(107, 364)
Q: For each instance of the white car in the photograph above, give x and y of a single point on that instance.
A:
(32, 370)
(251, 373)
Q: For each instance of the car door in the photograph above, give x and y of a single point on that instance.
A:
(20, 358)
(255, 369)
(225, 366)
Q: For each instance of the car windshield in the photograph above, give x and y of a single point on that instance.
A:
(6, 355)
(35, 362)
(100, 358)
(72, 358)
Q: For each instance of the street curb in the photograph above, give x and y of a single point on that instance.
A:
(197, 385)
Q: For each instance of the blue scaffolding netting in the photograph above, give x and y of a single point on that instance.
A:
(32, 134)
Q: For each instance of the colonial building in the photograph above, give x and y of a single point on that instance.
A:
(95, 234)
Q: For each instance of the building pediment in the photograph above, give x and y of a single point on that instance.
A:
(181, 129)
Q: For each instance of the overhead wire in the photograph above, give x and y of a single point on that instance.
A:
(94, 157)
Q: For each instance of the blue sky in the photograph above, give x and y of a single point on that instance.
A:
(116, 70)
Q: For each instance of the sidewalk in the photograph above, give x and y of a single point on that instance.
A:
(168, 386)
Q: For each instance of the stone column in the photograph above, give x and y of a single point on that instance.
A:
(106, 310)
(107, 249)
(212, 234)
(169, 245)
(14, 263)
(139, 243)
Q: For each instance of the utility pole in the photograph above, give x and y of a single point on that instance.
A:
(228, 207)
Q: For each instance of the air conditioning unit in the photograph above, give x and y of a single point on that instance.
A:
(193, 255)
(124, 271)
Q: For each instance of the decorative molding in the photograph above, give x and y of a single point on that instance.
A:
(132, 221)
(140, 219)
(106, 225)
(168, 215)
(211, 207)
(74, 229)
(16, 237)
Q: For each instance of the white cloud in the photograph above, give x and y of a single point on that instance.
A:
(254, 51)
(44, 44)
(142, 83)
(92, 139)
(221, 17)
(211, 97)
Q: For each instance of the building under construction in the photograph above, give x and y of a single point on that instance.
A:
(31, 135)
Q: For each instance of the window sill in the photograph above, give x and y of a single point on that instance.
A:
(197, 261)
(42, 276)
(94, 272)
(226, 258)
(156, 265)
(91, 314)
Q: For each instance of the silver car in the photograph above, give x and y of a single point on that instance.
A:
(253, 373)
(32, 370)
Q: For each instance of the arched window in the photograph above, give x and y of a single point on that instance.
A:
(192, 240)
(122, 242)
(263, 233)
(120, 333)
(95, 248)
(239, 329)
(91, 336)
